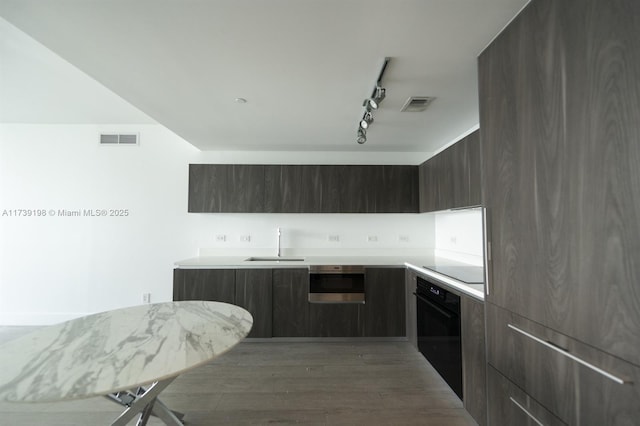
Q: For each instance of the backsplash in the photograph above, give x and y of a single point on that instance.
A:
(315, 234)
(458, 235)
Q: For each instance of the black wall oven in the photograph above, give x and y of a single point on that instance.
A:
(438, 312)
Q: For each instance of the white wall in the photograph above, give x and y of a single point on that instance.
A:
(458, 235)
(57, 267)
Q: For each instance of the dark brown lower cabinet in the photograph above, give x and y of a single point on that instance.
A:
(204, 284)
(253, 293)
(510, 405)
(474, 360)
(278, 301)
(290, 302)
(334, 320)
(579, 384)
(383, 314)
(411, 307)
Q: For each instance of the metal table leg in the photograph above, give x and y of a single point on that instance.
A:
(144, 402)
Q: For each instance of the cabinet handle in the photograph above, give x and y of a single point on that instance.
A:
(571, 356)
(487, 245)
(531, 416)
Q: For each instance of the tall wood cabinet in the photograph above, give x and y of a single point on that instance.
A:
(559, 108)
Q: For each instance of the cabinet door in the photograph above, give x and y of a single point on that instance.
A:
(226, 188)
(464, 161)
(334, 320)
(397, 189)
(574, 381)
(509, 405)
(290, 303)
(427, 188)
(474, 167)
(452, 178)
(561, 179)
(253, 292)
(204, 284)
(302, 189)
(383, 313)
(474, 360)
(378, 189)
(357, 189)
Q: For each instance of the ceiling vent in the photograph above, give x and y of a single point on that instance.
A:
(119, 139)
(417, 103)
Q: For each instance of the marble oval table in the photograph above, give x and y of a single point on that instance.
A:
(129, 355)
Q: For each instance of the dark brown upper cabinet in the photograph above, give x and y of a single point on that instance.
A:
(217, 188)
(226, 188)
(302, 189)
(378, 189)
(452, 178)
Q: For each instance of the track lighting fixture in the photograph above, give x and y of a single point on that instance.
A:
(372, 104)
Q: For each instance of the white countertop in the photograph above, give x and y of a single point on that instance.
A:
(474, 290)
(415, 262)
(233, 262)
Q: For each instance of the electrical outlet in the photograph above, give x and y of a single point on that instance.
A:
(146, 297)
(372, 239)
(221, 238)
(403, 238)
(454, 240)
(245, 238)
(334, 238)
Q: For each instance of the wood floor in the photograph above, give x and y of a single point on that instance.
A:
(267, 383)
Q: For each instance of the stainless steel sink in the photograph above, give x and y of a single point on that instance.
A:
(274, 259)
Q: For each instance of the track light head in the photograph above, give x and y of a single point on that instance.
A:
(380, 94)
(367, 119)
(362, 136)
(370, 104)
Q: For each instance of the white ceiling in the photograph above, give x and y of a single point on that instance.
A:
(305, 66)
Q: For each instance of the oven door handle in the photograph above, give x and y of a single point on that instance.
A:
(434, 306)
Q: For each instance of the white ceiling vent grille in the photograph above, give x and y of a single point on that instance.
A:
(417, 103)
(119, 139)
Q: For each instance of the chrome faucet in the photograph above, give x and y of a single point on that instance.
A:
(278, 242)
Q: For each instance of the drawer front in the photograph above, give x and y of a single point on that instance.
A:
(579, 384)
(510, 405)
